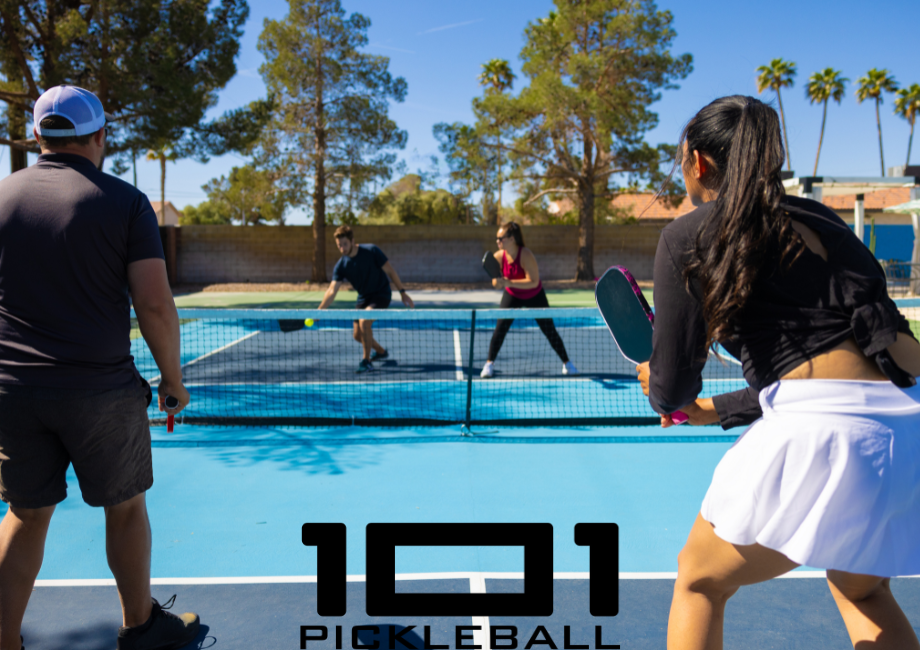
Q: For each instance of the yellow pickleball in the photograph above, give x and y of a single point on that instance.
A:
(308, 322)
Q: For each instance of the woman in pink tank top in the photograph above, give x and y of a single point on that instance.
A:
(521, 282)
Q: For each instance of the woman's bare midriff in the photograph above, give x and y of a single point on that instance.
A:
(846, 361)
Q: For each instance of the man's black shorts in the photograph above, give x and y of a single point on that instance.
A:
(379, 300)
(103, 432)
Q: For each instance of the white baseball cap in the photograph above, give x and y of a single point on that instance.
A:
(81, 107)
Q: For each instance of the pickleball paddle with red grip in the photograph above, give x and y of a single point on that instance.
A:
(628, 317)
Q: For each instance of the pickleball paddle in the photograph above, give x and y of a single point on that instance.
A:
(491, 265)
(290, 325)
(628, 317)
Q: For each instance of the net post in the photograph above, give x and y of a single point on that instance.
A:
(469, 375)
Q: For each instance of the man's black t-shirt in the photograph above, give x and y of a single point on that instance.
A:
(364, 271)
(67, 234)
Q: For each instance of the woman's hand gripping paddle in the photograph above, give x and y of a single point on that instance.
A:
(628, 317)
(170, 402)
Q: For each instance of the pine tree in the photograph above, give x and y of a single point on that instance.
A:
(332, 103)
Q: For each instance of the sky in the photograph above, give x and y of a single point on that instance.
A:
(439, 47)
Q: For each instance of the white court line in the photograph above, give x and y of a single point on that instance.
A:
(213, 352)
(475, 578)
(458, 355)
(480, 636)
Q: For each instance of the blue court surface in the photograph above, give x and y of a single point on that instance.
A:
(228, 505)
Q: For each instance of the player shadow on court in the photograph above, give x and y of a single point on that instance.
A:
(97, 636)
(614, 382)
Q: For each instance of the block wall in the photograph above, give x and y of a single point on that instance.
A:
(215, 254)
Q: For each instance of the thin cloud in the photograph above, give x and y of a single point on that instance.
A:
(387, 47)
(443, 27)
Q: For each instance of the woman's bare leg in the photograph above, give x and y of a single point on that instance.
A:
(710, 571)
(870, 612)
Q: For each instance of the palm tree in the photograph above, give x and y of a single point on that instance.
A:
(162, 153)
(822, 87)
(907, 105)
(497, 77)
(873, 85)
(779, 74)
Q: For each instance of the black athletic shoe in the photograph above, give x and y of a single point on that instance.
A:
(377, 356)
(364, 366)
(162, 631)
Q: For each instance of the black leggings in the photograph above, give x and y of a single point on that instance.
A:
(546, 325)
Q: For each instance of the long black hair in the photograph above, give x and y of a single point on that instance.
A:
(748, 231)
(513, 229)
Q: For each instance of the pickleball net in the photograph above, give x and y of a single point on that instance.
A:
(242, 368)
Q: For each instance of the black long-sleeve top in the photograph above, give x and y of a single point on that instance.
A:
(792, 315)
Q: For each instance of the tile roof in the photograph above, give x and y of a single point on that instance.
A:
(644, 206)
(873, 200)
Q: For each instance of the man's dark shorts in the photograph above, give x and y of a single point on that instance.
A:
(104, 432)
(375, 301)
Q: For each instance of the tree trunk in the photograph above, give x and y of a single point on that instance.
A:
(782, 117)
(878, 122)
(319, 183)
(19, 159)
(585, 267)
(821, 139)
(16, 123)
(910, 141)
(499, 179)
(162, 218)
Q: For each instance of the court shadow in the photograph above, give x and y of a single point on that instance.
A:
(93, 637)
(615, 382)
(203, 640)
(101, 636)
(391, 637)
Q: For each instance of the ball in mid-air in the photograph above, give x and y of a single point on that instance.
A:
(308, 322)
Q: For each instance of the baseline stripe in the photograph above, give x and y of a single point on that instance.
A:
(476, 578)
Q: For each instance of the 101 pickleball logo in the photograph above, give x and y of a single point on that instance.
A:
(535, 600)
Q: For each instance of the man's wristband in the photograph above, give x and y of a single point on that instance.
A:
(401, 291)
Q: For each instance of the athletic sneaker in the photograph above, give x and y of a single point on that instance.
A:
(162, 631)
(364, 366)
(377, 356)
(487, 370)
(568, 368)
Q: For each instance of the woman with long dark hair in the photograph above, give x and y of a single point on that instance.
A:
(828, 473)
(521, 282)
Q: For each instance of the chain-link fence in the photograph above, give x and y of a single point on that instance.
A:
(903, 278)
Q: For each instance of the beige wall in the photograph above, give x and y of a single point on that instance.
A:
(213, 254)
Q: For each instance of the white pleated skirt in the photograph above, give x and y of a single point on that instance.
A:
(829, 477)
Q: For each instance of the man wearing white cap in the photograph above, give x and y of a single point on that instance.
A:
(73, 242)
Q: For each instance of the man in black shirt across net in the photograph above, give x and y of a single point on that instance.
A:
(73, 241)
(370, 273)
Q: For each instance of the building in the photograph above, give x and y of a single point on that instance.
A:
(172, 214)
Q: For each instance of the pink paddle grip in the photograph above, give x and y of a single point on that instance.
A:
(679, 417)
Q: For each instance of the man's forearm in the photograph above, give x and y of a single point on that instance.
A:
(394, 280)
(327, 300)
(160, 328)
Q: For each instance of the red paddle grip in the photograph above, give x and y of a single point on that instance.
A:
(171, 420)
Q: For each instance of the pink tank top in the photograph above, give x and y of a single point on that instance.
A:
(514, 271)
